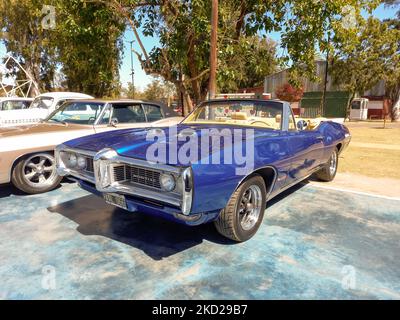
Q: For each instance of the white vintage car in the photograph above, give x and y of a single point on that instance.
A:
(40, 108)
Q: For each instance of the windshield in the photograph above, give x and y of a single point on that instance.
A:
(77, 112)
(266, 114)
(42, 103)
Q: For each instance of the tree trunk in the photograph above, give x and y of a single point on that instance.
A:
(187, 104)
(353, 94)
(392, 92)
(193, 70)
(187, 101)
(213, 50)
(395, 108)
(33, 73)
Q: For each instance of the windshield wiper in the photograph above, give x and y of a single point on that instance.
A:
(59, 121)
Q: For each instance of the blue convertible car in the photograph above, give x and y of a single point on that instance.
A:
(222, 163)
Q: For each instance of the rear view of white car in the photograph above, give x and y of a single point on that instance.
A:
(39, 109)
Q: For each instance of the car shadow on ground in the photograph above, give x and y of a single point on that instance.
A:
(156, 237)
(8, 189)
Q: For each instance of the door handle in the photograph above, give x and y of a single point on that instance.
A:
(320, 138)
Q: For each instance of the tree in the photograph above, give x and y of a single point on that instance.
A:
(183, 28)
(130, 91)
(361, 63)
(154, 90)
(392, 78)
(289, 93)
(89, 45)
(84, 43)
(159, 90)
(25, 36)
(245, 63)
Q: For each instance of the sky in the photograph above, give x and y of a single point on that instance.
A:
(142, 80)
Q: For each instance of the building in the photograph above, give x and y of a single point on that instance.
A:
(375, 94)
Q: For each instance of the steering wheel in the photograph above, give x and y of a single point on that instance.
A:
(91, 120)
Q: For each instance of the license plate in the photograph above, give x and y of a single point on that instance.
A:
(115, 199)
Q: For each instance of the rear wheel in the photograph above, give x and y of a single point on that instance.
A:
(328, 171)
(242, 216)
(36, 173)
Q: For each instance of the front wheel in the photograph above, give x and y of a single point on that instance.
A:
(36, 173)
(328, 171)
(242, 216)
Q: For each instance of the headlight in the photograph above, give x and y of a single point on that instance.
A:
(81, 161)
(167, 181)
(71, 160)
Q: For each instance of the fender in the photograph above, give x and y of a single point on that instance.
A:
(269, 186)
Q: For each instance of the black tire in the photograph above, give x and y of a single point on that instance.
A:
(229, 222)
(21, 170)
(327, 173)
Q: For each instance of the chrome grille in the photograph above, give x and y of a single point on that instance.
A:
(138, 175)
(89, 164)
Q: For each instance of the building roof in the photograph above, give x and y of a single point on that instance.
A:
(95, 100)
(62, 94)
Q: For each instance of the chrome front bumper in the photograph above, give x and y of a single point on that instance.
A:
(102, 177)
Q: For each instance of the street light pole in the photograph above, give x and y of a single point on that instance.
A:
(132, 71)
(323, 102)
(213, 49)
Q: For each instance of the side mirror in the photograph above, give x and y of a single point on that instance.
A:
(302, 125)
(114, 122)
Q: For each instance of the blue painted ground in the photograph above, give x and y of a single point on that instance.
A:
(313, 244)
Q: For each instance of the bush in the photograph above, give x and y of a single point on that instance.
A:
(289, 93)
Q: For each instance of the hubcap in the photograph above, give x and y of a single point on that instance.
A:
(250, 207)
(332, 164)
(39, 170)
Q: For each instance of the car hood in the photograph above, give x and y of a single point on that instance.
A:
(134, 143)
(39, 135)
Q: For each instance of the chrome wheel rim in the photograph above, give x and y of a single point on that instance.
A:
(332, 164)
(250, 207)
(39, 170)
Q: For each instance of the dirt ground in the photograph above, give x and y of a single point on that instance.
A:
(371, 163)
(373, 151)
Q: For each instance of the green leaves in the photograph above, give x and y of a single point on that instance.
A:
(90, 46)
(85, 43)
(308, 28)
(371, 55)
(245, 63)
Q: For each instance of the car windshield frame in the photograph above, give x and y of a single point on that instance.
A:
(274, 105)
(74, 118)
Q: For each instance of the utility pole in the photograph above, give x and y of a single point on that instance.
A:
(323, 100)
(213, 49)
(132, 71)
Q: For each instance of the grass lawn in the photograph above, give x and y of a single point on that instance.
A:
(373, 151)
